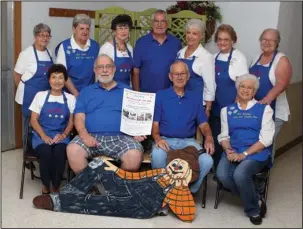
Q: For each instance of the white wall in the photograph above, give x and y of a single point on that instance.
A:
(290, 27)
(37, 12)
(249, 19)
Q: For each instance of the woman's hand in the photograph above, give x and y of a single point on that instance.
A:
(140, 138)
(266, 100)
(163, 145)
(47, 139)
(58, 138)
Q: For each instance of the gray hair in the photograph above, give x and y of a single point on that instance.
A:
(240, 79)
(81, 19)
(41, 28)
(273, 30)
(159, 12)
(197, 24)
(103, 55)
(177, 62)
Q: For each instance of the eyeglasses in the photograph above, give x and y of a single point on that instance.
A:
(224, 40)
(181, 74)
(159, 22)
(44, 37)
(243, 87)
(121, 28)
(102, 67)
(268, 40)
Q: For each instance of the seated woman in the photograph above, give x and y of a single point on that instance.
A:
(246, 137)
(52, 122)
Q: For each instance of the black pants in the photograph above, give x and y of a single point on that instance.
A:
(215, 125)
(52, 163)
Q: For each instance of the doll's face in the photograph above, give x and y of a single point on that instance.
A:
(179, 169)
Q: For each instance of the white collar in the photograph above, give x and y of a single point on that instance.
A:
(76, 46)
(249, 104)
(197, 53)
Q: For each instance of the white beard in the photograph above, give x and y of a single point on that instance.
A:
(101, 79)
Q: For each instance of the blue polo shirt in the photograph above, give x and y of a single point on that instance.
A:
(178, 117)
(102, 108)
(154, 60)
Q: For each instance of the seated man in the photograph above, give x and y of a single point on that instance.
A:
(178, 112)
(97, 120)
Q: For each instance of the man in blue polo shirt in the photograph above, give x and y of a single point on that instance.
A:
(153, 54)
(97, 120)
(178, 112)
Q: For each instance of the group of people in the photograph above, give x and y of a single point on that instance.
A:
(238, 109)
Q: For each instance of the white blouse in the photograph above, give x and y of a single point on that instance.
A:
(282, 107)
(238, 64)
(267, 129)
(204, 67)
(109, 50)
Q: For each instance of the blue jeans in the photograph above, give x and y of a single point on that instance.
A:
(159, 158)
(237, 177)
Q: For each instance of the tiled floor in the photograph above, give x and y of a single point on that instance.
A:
(284, 202)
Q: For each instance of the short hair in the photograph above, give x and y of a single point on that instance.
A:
(273, 30)
(122, 19)
(103, 55)
(196, 23)
(241, 78)
(227, 29)
(177, 62)
(57, 68)
(81, 19)
(41, 28)
(159, 12)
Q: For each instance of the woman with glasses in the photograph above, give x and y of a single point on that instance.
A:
(274, 71)
(229, 63)
(200, 63)
(30, 73)
(119, 50)
(52, 121)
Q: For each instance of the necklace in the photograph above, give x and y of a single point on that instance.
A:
(121, 49)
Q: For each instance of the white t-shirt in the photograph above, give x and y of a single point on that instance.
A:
(109, 50)
(60, 59)
(267, 127)
(238, 64)
(27, 66)
(282, 107)
(204, 67)
(40, 97)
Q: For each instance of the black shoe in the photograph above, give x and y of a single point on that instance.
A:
(263, 208)
(257, 220)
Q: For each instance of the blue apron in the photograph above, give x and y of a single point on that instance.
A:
(39, 82)
(195, 82)
(262, 72)
(226, 91)
(53, 119)
(124, 66)
(80, 64)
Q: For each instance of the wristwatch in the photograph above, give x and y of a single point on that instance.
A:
(245, 153)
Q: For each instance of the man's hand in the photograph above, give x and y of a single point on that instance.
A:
(140, 138)
(207, 112)
(209, 145)
(88, 140)
(163, 145)
(240, 157)
(58, 138)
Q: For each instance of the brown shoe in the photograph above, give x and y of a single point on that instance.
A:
(43, 202)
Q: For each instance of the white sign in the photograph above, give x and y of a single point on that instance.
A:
(137, 112)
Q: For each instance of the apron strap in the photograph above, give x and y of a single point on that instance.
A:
(115, 49)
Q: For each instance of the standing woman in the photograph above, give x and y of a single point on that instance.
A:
(52, 121)
(118, 48)
(200, 63)
(274, 72)
(229, 63)
(30, 73)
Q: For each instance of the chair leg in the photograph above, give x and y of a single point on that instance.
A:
(204, 191)
(219, 186)
(22, 181)
(32, 171)
(266, 188)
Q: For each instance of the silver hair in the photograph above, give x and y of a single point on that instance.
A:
(240, 79)
(159, 12)
(81, 19)
(103, 55)
(197, 24)
(41, 28)
(177, 62)
(273, 30)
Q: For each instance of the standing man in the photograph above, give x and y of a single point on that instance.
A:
(78, 54)
(153, 55)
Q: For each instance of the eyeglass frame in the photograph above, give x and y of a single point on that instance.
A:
(106, 66)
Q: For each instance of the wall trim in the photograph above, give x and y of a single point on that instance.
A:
(288, 146)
